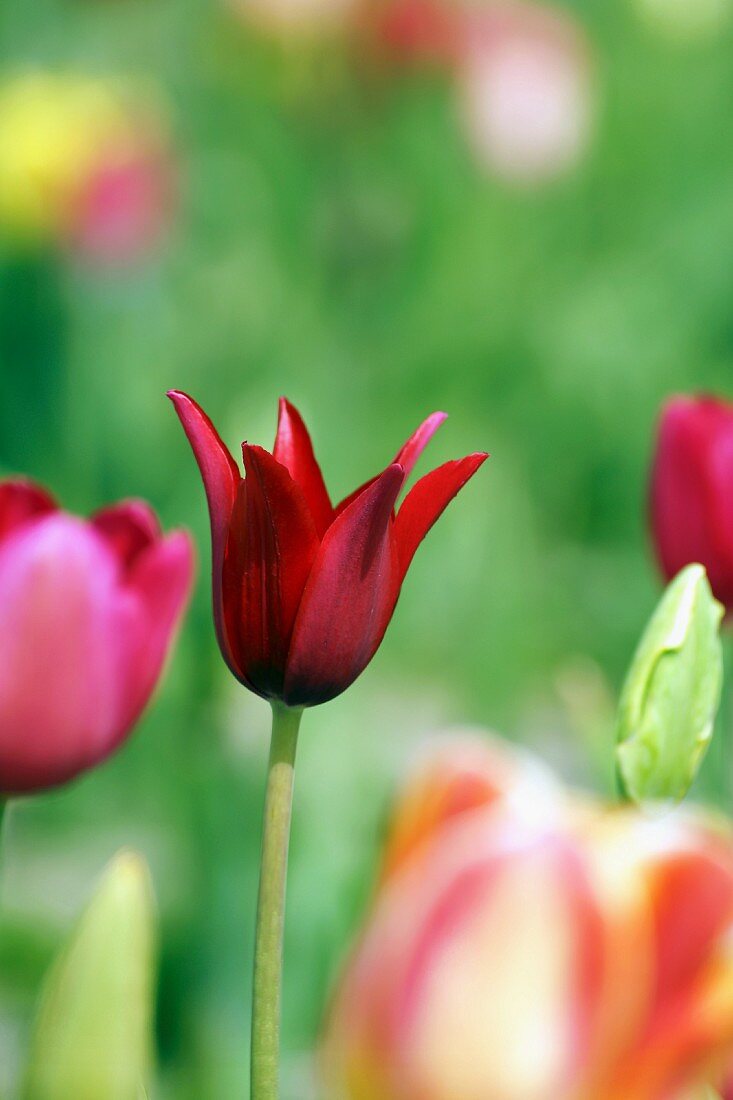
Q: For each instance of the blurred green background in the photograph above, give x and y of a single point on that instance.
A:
(334, 240)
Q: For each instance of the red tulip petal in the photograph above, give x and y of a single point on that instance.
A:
(129, 528)
(349, 598)
(294, 450)
(221, 478)
(410, 452)
(427, 500)
(272, 546)
(344, 504)
(20, 501)
(406, 457)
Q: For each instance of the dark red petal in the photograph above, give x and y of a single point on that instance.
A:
(294, 450)
(348, 599)
(128, 527)
(406, 457)
(221, 477)
(427, 500)
(22, 500)
(271, 548)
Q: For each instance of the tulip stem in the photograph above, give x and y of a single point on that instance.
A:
(267, 985)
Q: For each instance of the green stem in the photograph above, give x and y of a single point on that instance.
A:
(271, 904)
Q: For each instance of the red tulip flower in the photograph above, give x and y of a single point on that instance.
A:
(88, 610)
(304, 590)
(692, 490)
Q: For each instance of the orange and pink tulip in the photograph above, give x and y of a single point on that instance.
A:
(527, 944)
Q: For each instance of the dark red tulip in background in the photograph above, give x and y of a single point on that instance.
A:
(88, 610)
(304, 591)
(692, 490)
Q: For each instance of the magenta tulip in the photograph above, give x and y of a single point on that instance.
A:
(692, 490)
(88, 611)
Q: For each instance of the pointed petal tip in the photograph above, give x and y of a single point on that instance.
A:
(286, 407)
(410, 452)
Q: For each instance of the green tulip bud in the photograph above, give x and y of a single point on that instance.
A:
(92, 1038)
(672, 692)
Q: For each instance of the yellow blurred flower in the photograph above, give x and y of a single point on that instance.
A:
(79, 163)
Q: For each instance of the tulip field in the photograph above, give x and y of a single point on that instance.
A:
(366, 550)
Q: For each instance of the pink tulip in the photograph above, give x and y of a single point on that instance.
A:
(88, 610)
(123, 206)
(528, 945)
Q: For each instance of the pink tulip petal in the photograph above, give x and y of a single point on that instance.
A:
(161, 580)
(64, 625)
(20, 501)
(129, 527)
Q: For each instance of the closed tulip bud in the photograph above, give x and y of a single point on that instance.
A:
(537, 948)
(92, 1037)
(672, 691)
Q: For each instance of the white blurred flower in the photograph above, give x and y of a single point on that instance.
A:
(526, 91)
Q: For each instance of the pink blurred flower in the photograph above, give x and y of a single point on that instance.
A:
(123, 206)
(524, 944)
(526, 93)
(88, 610)
(692, 490)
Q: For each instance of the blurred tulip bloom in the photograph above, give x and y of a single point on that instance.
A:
(82, 166)
(88, 610)
(526, 90)
(304, 590)
(691, 494)
(528, 945)
(523, 72)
